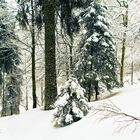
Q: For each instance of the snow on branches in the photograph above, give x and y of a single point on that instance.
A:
(71, 105)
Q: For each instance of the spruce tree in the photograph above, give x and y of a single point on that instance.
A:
(97, 62)
(9, 62)
(71, 105)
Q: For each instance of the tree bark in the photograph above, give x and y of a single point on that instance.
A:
(123, 60)
(42, 92)
(67, 65)
(125, 23)
(33, 58)
(71, 55)
(26, 84)
(96, 90)
(132, 71)
(50, 63)
(3, 94)
(89, 91)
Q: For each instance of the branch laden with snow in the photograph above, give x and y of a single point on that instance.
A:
(71, 105)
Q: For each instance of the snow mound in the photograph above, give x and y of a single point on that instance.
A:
(37, 124)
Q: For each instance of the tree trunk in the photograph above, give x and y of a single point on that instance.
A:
(26, 98)
(3, 94)
(42, 92)
(26, 84)
(33, 58)
(123, 60)
(71, 55)
(132, 71)
(89, 91)
(50, 63)
(15, 105)
(96, 90)
(125, 23)
(67, 65)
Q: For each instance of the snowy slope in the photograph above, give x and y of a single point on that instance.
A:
(37, 124)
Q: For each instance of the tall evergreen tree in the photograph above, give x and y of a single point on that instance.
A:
(97, 63)
(9, 62)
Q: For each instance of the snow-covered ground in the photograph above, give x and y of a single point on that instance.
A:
(37, 124)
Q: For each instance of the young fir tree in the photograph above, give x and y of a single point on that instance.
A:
(9, 62)
(97, 63)
(71, 105)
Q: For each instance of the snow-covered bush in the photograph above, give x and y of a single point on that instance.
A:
(71, 104)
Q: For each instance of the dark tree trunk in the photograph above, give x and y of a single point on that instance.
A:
(123, 60)
(71, 55)
(71, 68)
(89, 91)
(50, 63)
(96, 90)
(3, 94)
(33, 57)
(90, 80)
(67, 65)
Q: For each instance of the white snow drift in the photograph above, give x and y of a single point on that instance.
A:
(38, 125)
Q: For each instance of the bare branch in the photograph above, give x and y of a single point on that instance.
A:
(109, 110)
